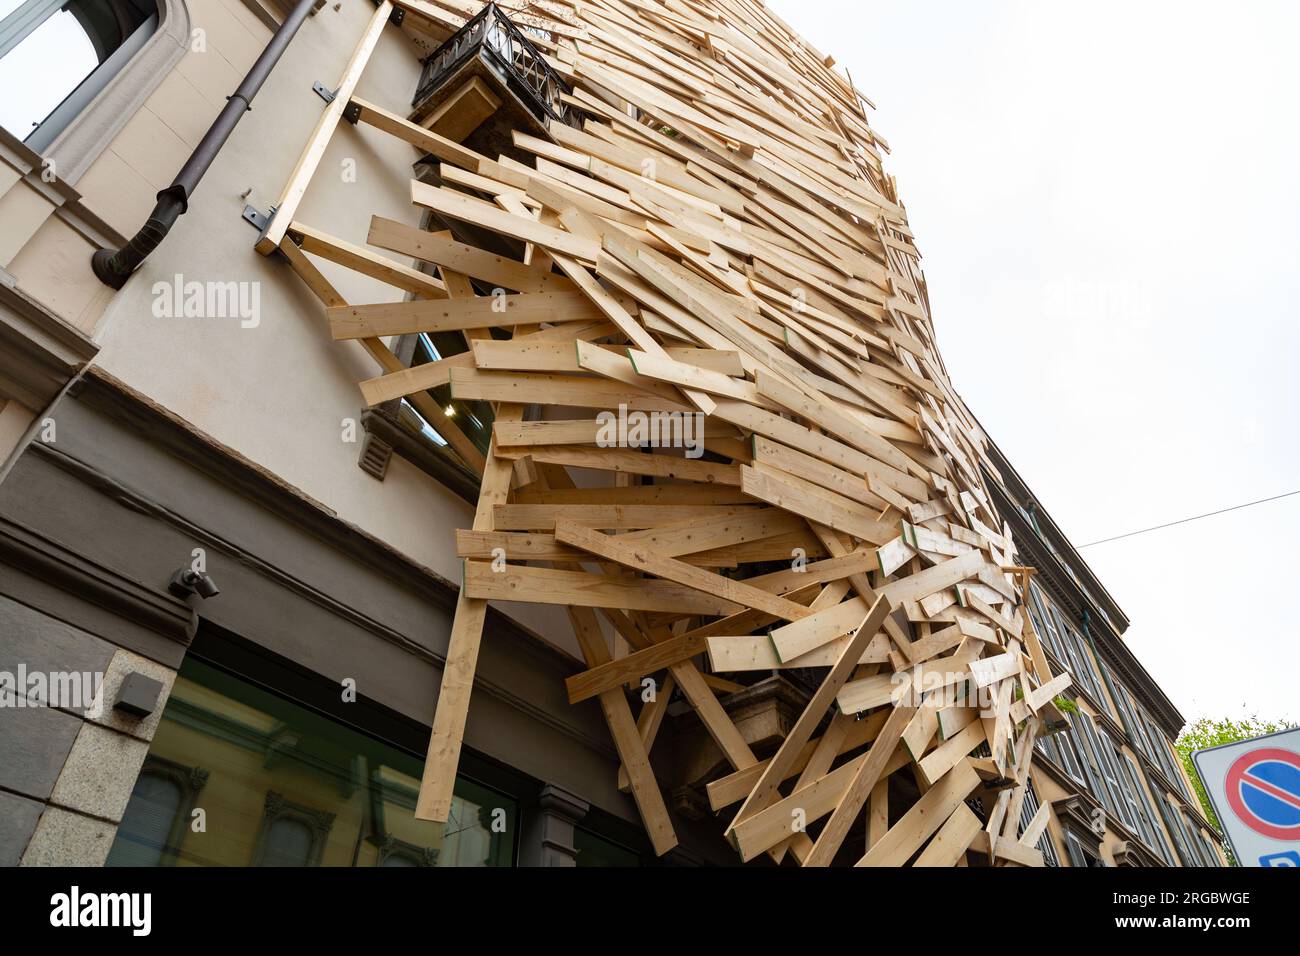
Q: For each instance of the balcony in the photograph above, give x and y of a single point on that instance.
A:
(485, 80)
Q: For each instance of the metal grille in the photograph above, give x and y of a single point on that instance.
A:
(1027, 811)
(503, 46)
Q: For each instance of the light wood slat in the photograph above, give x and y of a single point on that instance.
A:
(286, 207)
(924, 818)
(641, 558)
(544, 586)
(766, 786)
(448, 732)
(451, 315)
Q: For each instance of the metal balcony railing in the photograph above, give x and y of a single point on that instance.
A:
(503, 47)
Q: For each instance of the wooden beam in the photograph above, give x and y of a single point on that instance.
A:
(286, 207)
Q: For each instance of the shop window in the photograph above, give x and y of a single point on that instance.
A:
(596, 850)
(283, 784)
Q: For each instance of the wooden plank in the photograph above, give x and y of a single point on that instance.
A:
(766, 787)
(627, 462)
(591, 683)
(450, 315)
(500, 271)
(366, 262)
(286, 207)
(459, 206)
(924, 818)
(641, 558)
(769, 826)
(870, 773)
(448, 732)
(783, 492)
(547, 586)
(953, 839)
(944, 757)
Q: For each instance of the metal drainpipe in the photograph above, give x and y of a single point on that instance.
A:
(114, 267)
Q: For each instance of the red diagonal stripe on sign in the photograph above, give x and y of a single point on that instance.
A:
(1283, 795)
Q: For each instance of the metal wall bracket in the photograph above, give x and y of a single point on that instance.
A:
(323, 91)
(257, 219)
(396, 17)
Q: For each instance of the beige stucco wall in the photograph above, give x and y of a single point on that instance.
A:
(278, 393)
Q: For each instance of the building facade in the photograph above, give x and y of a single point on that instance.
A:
(1118, 790)
(237, 579)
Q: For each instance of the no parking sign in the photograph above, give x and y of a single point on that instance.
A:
(1255, 788)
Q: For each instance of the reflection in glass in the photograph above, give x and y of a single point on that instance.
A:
(281, 785)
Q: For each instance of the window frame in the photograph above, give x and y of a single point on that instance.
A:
(1028, 810)
(1157, 839)
(85, 136)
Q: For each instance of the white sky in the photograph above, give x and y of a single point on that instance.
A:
(41, 71)
(1106, 198)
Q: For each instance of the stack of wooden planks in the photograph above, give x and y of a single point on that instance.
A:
(724, 438)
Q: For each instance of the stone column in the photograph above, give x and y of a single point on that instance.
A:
(547, 838)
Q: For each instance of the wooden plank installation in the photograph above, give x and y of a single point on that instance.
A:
(722, 437)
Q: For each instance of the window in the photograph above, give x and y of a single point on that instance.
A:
(1151, 831)
(474, 418)
(1209, 849)
(1079, 854)
(1082, 665)
(285, 785)
(1124, 803)
(1178, 830)
(292, 834)
(1044, 624)
(160, 810)
(288, 843)
(1094, 766)
(1060, 747)
(1028, 810)
(57, 55)
(150, 816)
(1132, 716)
(596, 850)
(1164, 757)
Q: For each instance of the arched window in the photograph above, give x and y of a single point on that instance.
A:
(57, 55)
(147, 827)
(288, 843)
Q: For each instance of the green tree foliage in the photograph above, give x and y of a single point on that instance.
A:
(1207, 732)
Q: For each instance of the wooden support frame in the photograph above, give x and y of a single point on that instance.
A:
(751, 276)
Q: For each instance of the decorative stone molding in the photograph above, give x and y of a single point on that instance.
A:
(52, 563)
(39, 352)
(1076, 816)
(390, 846)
